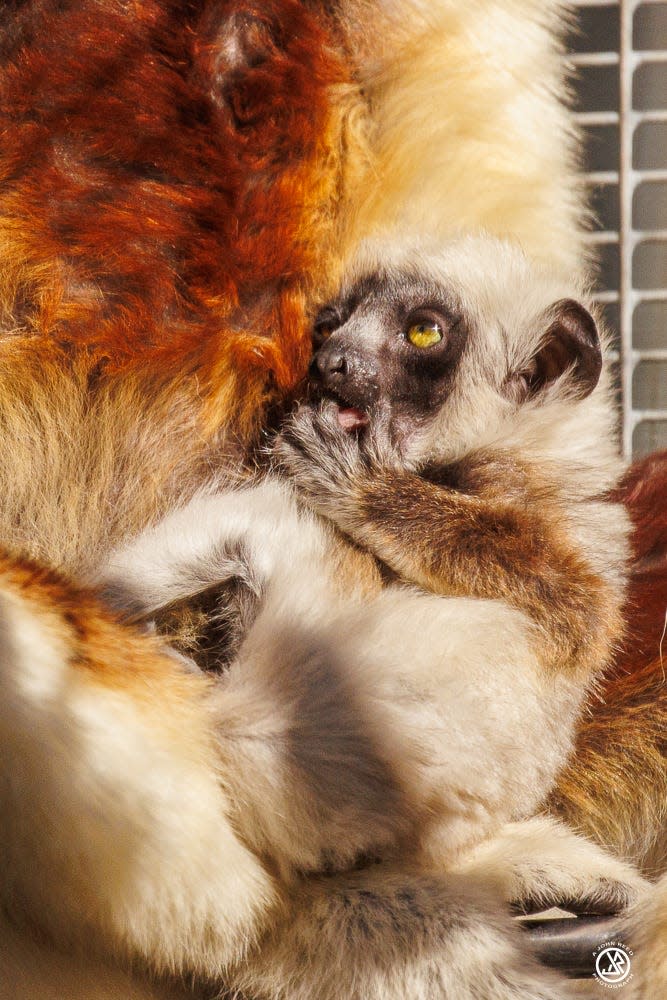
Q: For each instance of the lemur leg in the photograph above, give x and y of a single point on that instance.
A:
(140, 803)
(114, 822)
(447, 692)
(460, 681)
(385, 933)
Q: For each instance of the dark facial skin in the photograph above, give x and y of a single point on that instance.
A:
(365, 361)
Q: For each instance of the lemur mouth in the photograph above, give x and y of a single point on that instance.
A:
(350, 418)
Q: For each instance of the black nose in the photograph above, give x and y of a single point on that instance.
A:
(329, 365)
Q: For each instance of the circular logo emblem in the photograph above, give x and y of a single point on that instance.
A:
(612, 964)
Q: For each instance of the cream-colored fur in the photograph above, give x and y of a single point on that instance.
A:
(83, 468)
(113, 822)
(468, 129)
(646, 933)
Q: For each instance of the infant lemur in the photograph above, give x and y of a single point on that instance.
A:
(427, 584)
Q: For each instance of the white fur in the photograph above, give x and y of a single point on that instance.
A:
(540, 859)
(491, 727)
(152, 565)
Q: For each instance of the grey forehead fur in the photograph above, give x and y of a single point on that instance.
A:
(404, 288)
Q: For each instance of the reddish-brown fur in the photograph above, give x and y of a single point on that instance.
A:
(615, 788)
(644, 490)
(497, 533)
(115, 655)
(163, 203)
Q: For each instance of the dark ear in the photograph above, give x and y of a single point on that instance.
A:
(571, 342)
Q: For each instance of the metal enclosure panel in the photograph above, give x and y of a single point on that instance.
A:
(620, 58)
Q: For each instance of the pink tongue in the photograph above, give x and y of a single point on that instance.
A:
(350, 418)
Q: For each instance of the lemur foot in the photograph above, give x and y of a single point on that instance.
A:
(540, 863)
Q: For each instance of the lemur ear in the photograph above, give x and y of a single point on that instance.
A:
(571, 343)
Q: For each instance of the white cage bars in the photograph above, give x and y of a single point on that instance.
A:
(620, 55)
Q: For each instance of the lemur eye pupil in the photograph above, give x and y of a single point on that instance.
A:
(424, 334)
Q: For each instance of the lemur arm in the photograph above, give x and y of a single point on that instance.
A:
(481, 529)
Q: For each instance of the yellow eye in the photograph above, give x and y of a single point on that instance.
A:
(424, 334)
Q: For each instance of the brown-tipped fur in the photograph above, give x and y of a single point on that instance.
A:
(615, 787)
(495, 544)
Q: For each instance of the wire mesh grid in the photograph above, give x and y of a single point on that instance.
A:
(620, 55)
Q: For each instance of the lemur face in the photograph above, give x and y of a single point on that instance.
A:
(390, 347)
(461, 339)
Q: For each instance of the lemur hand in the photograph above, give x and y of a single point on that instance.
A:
(329, 464)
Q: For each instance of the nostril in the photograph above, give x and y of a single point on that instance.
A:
(336, 364)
